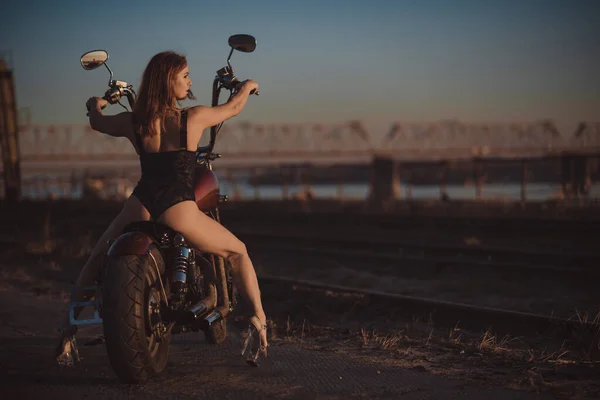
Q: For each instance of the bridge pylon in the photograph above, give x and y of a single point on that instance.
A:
(9, 140)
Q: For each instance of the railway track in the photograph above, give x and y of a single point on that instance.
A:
(444, 278)
(383, 305)
(387, 305)
(356, 219)
(406, 254)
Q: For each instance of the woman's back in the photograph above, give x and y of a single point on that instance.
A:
(169, 139)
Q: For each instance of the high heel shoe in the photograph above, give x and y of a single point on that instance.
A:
(253, 349)
(67, 353)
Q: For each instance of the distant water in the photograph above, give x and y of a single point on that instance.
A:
(511, 192)
(353, 191)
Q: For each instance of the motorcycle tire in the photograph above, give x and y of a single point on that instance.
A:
(134, 352)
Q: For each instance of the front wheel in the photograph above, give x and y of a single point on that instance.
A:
(131, 292)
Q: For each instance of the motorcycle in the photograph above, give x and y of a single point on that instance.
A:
(154, 283)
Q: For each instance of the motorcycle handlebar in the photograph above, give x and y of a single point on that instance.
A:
(102, 108)
(215, 101)
(253, 91)
(113, 95)
(130, 99)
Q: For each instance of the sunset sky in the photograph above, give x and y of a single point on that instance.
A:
(412, 60)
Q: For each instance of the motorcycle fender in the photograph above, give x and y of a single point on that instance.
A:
(131, 243)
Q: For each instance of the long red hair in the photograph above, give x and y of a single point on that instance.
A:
(156, 98)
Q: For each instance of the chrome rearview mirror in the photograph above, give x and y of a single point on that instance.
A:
(243, 43)
(94, 59)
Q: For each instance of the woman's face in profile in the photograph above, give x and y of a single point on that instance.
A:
(182, 84)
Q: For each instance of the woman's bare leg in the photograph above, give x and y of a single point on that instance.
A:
(133, 210)
(208, 235)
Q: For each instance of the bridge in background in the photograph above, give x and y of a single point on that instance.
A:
(263, 145)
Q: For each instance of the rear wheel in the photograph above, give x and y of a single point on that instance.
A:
(136, 342)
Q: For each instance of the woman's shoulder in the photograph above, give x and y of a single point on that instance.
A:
(194, 112)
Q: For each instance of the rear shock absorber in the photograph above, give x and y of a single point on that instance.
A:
(181, 263)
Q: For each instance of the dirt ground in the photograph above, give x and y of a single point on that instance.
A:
(347, 359)
(323, 345)
(322, 366)
(320, 348)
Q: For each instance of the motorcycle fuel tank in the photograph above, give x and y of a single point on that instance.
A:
(206, 189)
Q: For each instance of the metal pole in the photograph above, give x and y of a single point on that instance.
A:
(443, 180)
(523, 181)
(255, 184)
(408, 177)
(340, 185)
(478, 177)
(286, 173)
(9, 134)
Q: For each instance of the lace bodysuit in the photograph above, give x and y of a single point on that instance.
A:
(167, 176)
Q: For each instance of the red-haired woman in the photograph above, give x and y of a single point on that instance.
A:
(166, 137)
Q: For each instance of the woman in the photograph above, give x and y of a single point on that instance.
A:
(166, 137)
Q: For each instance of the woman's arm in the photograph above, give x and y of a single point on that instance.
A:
(202, 117)
(119, 125)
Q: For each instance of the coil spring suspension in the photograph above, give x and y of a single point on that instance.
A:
(181, 263)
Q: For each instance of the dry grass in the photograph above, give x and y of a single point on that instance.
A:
(510, 360)
(584, 318)
(538, 363)
(552, 357)
(585, 334)
(518, 362)
(490, 342)
(455, 335)
(293, 333)
(377, 341)
(272, 328)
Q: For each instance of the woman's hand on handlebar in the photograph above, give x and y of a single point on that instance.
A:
(96, 103)
(249, 85)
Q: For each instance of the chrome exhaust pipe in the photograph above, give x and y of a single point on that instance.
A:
(197, 310)
(213, 318)
(210, 301)
(223, 307)
(216, 316)
(203, 306)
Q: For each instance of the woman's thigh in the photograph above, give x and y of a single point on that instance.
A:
(202, 231)
(133, 210)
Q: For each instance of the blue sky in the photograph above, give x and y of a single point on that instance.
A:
(411, 60)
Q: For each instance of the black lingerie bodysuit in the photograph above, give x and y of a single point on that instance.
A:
(167, 176)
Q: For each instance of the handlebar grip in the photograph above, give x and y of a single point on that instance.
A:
(239, 86)
(87, 114)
